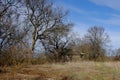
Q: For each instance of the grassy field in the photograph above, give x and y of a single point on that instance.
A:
(63, 71)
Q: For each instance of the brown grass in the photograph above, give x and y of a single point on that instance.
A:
(63, 71)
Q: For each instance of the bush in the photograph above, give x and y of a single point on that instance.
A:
(14, 56)
(117, 58)
(40, 59)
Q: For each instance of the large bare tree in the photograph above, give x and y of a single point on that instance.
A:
(56, 44)
(43, 17)
(10, 32)
(97, 40)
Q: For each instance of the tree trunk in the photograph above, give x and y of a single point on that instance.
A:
(34, 39)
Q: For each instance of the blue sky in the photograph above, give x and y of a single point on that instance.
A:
(88, 13)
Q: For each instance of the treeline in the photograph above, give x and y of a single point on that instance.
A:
(37, 31)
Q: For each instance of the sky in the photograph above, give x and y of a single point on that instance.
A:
(88, 13)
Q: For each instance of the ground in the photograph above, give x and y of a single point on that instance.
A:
(63, 71)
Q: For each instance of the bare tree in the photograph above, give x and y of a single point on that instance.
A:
(11, 33)
(97, 38)
(42, 17)
(56, 44)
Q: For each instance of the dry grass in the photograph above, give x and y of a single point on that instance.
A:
(64, 71)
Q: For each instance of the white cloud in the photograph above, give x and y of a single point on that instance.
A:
(113, 20)
(70, 7)
(114, 4)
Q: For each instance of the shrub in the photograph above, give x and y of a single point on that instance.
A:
(14, 56)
